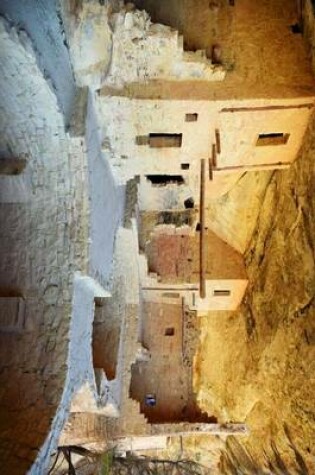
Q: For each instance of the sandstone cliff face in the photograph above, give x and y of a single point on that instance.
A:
(258, 365)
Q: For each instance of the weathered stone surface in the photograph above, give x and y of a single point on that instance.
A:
(37, 251)
(41, 23)
(265, 353)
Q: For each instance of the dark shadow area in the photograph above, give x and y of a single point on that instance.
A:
(163, 180)
(163, 384)
(105, 340)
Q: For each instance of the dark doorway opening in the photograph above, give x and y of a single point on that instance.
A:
(163, 180)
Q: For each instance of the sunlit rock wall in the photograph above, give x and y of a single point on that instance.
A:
(264, 354)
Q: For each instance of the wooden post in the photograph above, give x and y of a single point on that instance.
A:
(218, 140)
(202, 240)
(210, 169)
(300, 8)
(183, 326)
(214, 156)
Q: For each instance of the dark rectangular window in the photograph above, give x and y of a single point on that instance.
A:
(191, 117)
(165, 140)
(163, 180)
(169, 332)
(272, 139)
(221, 293)
(185, 166)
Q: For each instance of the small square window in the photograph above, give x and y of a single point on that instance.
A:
(272, 139)
(185, 166)
(191, 117)
(169, 332)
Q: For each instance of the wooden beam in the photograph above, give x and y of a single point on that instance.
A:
(214, 156)
(218, 140)
(202, 240)
(180, 288)
(183, 326)
(210, 169)
(187, 429)
(258, 166)
(308, 105)
(12, 166)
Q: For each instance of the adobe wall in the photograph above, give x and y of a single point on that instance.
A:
(174, 255)
(127, 122)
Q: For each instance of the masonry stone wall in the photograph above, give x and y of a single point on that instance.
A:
(43, 242)
(143, 51)
(41, 21)
(115, 44)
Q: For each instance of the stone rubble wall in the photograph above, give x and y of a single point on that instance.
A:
(143, 51)
(115, 44)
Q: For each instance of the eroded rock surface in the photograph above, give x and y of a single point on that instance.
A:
(258, 365)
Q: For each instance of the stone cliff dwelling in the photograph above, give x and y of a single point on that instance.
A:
(124, 127)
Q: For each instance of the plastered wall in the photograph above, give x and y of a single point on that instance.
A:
(239, 123)
(107, 200)
(240, 131)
